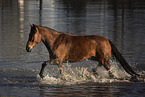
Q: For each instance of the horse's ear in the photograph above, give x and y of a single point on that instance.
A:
(30, 25)
(35, 27)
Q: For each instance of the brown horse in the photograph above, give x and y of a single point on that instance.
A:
(64, 47)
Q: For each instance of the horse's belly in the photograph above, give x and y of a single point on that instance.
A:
(80, 55)
(76, 58)
(81, 50)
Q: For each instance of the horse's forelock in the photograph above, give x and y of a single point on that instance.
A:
(34, 28)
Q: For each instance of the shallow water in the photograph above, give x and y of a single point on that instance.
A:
(121, 21)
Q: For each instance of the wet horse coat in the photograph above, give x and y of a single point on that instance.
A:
(64, 47)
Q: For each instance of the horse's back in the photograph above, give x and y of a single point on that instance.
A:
(90, 39)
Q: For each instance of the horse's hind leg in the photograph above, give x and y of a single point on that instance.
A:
(106, 63)
(94, 70)
(107, 67)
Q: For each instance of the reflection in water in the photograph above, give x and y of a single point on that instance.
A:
(40, 11)
(21, 12)
(83, 90)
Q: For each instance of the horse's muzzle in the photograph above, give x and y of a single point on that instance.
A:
(28, 49)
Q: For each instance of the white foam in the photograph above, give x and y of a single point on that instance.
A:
(80, 75)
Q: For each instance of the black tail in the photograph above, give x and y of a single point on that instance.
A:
(122, 61)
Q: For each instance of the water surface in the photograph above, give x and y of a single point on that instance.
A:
(121, 21)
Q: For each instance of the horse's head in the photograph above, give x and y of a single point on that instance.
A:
(34, 38)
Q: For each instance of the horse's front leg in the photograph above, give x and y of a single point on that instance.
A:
(51, 62)
(42, 68)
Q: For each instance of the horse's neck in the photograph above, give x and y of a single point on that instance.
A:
(48, 37)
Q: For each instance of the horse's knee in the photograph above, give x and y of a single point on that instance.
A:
(45, 63)
(106, 64)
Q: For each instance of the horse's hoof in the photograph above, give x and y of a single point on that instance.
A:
(94, 72)
(42, 76)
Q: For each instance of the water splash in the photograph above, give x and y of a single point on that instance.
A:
(79, 75)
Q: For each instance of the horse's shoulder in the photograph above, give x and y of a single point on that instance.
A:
(60, 40)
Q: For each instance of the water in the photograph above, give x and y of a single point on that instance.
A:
(121, 21)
